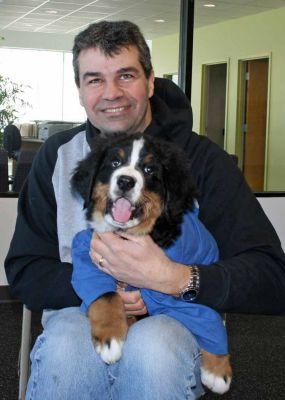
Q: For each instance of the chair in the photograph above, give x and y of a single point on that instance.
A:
(4, 185)
(23, 167)
(12, 140)
(24, 356)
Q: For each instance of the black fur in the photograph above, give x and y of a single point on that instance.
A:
(178, 185)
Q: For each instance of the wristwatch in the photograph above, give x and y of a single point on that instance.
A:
(190, 292)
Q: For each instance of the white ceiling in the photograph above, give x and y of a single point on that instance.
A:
(71, 16)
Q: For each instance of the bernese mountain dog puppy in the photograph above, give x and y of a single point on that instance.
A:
(142, 185)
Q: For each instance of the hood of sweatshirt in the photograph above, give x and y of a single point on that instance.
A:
(172, 117)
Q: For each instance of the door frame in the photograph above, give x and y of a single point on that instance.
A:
(240, 111)
(204, 97)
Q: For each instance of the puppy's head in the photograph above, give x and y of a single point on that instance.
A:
(134, 183)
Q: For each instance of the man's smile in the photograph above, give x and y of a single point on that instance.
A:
(114, 109)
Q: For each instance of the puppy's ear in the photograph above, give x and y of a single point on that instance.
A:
(180, 188)
(84, 175)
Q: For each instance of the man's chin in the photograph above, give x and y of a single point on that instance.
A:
(110, 127)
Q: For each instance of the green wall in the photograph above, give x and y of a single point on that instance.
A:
(261, 35)
(165, 53)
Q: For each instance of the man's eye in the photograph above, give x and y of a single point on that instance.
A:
(116, 163)
(126, 77)
(95, 81)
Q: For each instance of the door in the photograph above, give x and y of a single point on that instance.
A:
(213, 110)
(255, 122)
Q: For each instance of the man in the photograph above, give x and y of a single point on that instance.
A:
(161, 358)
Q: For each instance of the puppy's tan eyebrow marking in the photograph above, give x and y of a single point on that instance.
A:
(148, 158)
(121, 153)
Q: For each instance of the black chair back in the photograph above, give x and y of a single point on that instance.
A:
(12, 140)
(23, 167)
(4, 185)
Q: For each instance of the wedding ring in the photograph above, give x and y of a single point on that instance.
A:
(100, 262)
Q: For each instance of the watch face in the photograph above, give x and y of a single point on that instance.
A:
(189, 295)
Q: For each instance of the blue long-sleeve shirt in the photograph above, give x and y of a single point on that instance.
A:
(195, 245)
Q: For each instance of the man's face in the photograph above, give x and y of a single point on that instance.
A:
(114, 90)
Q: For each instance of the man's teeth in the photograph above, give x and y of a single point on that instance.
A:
(114, 110)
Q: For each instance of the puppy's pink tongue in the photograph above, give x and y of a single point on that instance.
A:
(122, 210)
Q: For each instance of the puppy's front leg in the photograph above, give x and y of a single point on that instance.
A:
(216, 372)
(108, 326)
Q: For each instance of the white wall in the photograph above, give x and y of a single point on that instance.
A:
(274, 208)
(8, 212)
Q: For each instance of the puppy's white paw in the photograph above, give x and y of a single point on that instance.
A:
(111, 351)
(217, 384)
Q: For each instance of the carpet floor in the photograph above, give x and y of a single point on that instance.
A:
(257, 346)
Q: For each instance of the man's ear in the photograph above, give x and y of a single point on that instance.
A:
(151, 84)
(80, 96)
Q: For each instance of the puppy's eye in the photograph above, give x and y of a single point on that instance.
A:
(148, 169)
(116, 163)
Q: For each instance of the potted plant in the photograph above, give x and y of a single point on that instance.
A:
(11, 101)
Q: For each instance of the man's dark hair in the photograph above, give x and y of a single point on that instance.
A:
(110, 37)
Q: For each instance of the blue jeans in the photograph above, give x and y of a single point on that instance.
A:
(161, 360)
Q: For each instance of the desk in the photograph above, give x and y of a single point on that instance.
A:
(29, 143)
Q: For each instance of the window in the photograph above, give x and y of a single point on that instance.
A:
(49, 84)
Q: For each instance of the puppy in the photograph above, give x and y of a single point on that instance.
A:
(141, 185)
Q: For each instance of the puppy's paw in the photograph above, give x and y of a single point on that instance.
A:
(216, 372)
(108, 326)
(215, 383)
(110, 351)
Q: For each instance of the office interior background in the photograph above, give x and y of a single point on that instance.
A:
(237, 97)
(229, 38)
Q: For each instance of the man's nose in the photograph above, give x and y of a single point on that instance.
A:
(112, 90)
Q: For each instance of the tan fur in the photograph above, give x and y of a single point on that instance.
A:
(122, 153)
(131, 319)
(217, 364)
(152, 209)
(100, 195)
(108, 319)
(148, 159)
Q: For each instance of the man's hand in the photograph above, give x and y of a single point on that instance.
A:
(138, 261)
(133, 302)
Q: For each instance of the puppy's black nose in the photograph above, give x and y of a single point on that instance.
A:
(125, 182)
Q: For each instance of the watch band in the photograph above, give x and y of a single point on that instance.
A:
(190, 292)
